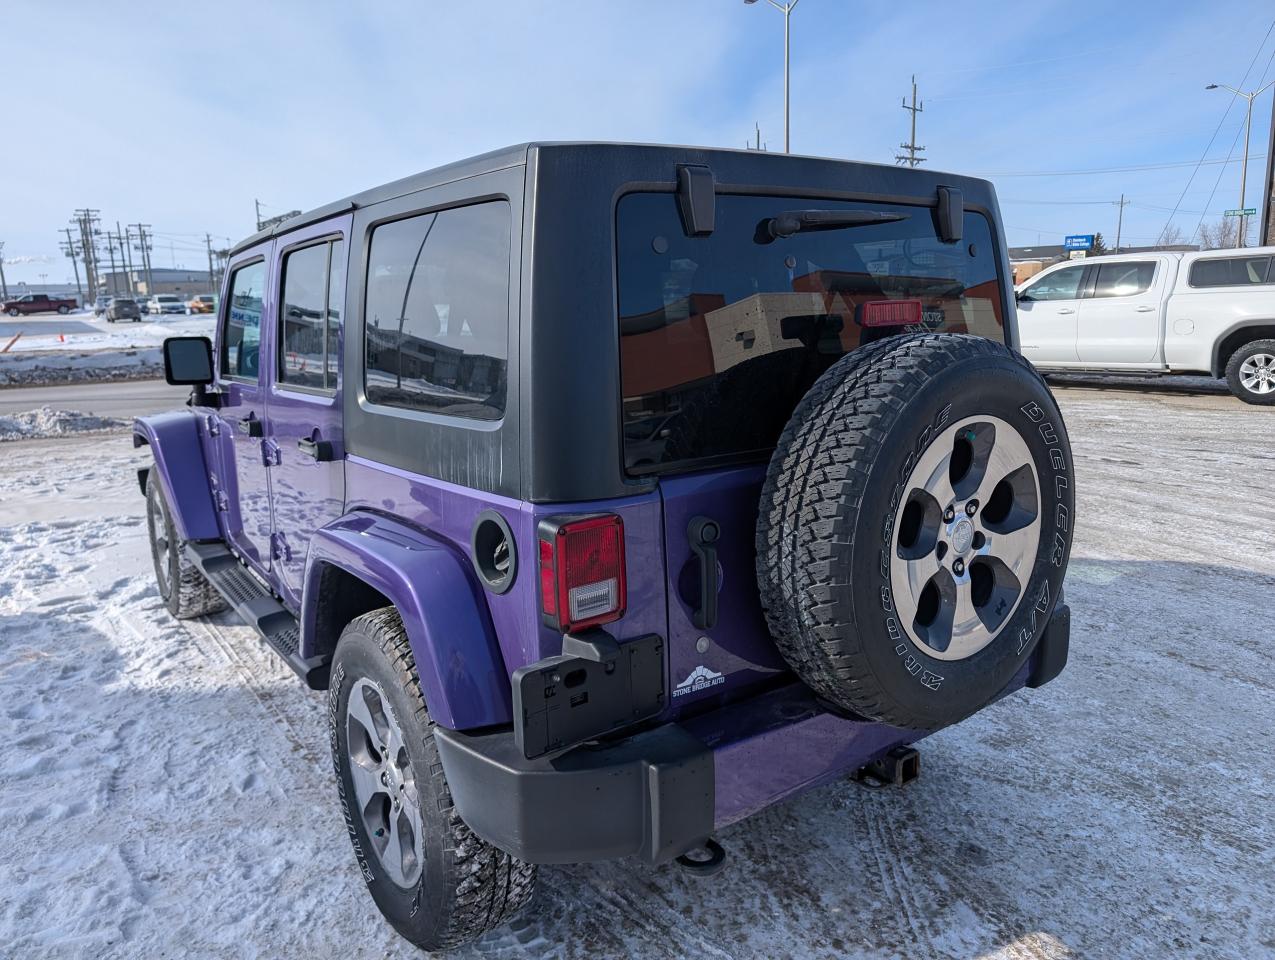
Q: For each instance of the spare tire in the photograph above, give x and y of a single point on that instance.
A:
(915, 527)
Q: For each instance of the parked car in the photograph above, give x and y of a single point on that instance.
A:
(1210, 313)
(122, 308)
(585, 584)
(166, 303)
(201, 303)
(38, 303)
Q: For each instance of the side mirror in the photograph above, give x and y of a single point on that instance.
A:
(188, 361)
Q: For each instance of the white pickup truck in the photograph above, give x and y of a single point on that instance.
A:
(1211, 312)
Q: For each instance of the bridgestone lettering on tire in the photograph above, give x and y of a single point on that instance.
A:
(433, 878)
(915, 527)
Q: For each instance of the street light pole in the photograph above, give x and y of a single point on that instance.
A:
(1241, 234)
(786, 9)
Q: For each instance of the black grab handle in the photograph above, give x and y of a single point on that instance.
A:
(320, 450)
(703, 534)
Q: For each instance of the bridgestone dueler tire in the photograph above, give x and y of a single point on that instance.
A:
(826, 519)
(182, 585)
(466, 886)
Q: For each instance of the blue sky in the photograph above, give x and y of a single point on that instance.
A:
(180, 114)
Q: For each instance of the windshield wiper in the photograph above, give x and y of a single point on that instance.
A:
(792, 222)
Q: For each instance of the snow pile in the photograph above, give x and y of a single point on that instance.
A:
(48, 422)
(41, 369)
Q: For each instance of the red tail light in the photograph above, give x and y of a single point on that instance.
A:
(582, 581)
(889, 313)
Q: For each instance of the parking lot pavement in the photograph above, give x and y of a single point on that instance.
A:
(168, 790)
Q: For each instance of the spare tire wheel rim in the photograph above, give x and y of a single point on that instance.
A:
(966, 537)
(385, 792)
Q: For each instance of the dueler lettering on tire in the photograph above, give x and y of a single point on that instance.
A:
(912, 546)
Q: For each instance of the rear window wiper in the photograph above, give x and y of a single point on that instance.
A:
(792, 222)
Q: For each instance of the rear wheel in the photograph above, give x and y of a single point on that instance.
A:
(64, 309)
(182, 585)
(434, 879)
(1250, 373)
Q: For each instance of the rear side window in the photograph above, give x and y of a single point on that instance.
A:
(720, 336)
(437, 312)
(241, 335)
(1124, 279)
(310, 322)
(1231, 272)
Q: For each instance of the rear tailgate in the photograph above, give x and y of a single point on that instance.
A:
(721, 336)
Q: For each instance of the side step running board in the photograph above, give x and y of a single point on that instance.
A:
(254, 604)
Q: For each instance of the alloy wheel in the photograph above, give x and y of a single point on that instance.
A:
(966, 535)
(1257, 373)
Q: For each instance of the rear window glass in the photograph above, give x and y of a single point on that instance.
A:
(1124, 279)
(721, 336)
(1230, 272)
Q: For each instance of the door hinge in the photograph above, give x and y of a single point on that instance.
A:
(270, 454)
(279, 549)
(212, 425)
(223, 501)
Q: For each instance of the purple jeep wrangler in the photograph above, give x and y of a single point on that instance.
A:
(615, 493)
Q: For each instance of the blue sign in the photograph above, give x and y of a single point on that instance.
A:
(1080, 241)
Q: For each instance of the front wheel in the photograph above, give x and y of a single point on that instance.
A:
(1250, 373)
(13, 312)
(435, 880)
(182, 585)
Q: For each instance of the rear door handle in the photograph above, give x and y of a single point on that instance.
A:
(1145, 309)
(320, 450)
(703, 534)
(1066, 310)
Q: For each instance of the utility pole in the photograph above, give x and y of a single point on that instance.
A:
(88, 220)
(257, 204)
(212, 274)
(1121, 203)
(1267, 235)
(786, 9)
(911, 158)
(110, 251)
(144, 247)
(69, 246)
(4, 287)
(126, 258)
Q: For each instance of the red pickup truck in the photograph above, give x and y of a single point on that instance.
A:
(38, 303)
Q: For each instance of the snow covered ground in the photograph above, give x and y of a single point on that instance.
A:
(80, 347)
(166, 789)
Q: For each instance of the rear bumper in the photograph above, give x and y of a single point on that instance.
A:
(657, 794)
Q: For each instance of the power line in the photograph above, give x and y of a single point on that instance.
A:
(1100, 170)
(1226, 113)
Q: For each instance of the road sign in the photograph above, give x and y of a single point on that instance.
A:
(1080, 241)
(1246, 212)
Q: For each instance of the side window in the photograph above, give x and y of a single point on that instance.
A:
(241, 335)
(436, 316)
(1061, 285)
(1124, 279)
(1231, 272)
(310, 335)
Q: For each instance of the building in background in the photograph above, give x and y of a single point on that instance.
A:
(185, 283)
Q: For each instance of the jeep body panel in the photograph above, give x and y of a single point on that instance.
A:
(433, 589)
(181, 471)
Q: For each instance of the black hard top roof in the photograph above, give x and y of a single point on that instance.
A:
(517, 155)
